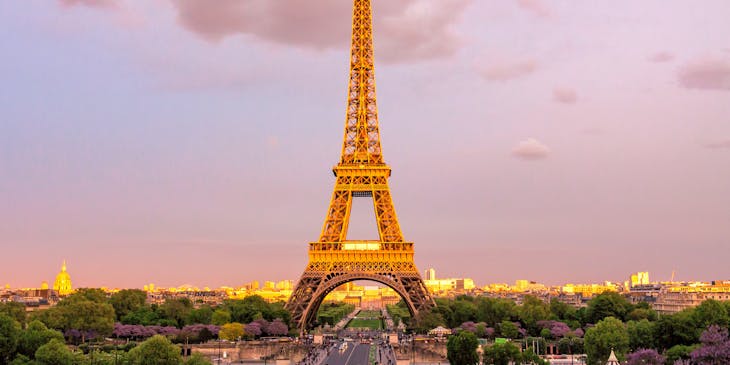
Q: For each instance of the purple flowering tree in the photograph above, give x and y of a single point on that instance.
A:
(715, 347)
(644, 357)
(469, 326)
(253, 329)
(278, 328)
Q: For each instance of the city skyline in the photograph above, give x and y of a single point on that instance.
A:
(529, 139)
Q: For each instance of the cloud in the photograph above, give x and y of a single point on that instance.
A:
(536, 7)
(406, 29)
(565, 95)
(503, 70)
(91, 3)
(708, 72)
(661, 57)
(531, 150)
(717, 145)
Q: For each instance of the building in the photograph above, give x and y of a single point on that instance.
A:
(62, 285)
(640, 278)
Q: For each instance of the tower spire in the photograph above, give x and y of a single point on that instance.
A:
(63, 266)
(362, 135)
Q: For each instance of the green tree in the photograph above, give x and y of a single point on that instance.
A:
(89, 317)
(562, 311)
(676, 329)
(144, 315)
(55, 352)
(641, 334)
(231, 331)
(157, 350)
(530, 357)
(427, 320)
(533, 310)
(609, 333)
(462, 311)
(14, 310)
(176, 310)
(493, 311)
(509, 330)
(501, 354)
(607, 304)
(461, 349)
(86, 294)
(127, 301)
(35, 336)
(9, 335)
(679, 352)
(197, 359)
(221, 317)
(202, 315)
(710, 312)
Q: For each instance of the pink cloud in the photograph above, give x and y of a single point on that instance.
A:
(661, 57)
(531, 149)
(565, 95)
(503, 70)
(407, 29)
(536, 7)
(710, 73)
(91, 3)
(717, 145)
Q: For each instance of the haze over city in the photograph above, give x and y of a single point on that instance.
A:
(174, 143)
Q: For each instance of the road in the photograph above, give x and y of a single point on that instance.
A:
(353, 354)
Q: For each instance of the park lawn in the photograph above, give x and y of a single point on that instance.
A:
(367, 319)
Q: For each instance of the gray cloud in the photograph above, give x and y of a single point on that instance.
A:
(661, 57)
(91, 3)
(407, 30)
(565, 95)
(720, 144)
(709, 73)
(504, 70)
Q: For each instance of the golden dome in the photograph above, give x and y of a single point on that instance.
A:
(62, 285)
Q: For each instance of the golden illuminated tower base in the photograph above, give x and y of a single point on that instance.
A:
(361, 173)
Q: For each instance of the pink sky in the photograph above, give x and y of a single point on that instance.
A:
(179, 142)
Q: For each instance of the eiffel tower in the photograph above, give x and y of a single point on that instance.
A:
(333, 259)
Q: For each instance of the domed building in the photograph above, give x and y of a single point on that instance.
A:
(62, 285)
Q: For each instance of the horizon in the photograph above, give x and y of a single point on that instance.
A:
(528, 139)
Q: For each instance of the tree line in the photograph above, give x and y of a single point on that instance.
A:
(609, 320)
(88, 316)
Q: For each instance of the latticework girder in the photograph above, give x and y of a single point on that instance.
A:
(361, 172)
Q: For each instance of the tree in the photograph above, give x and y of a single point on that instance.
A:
(509, 329)
(462, 311)
(461, 349)
(679, 352)
(562, 311)
(231, 331)
(644, 357)
(641, 334)
(176, 310)
(157, 350)
(197, 359)
(715, 349)
(501, 354)
(676, 329)
(35, 336)
(9, 335)
(710, 312)
(277, 328)
(221, 317)
(127, 301)
(90, 318)
(493, 311)
(202, 315)
(86, 294)
(55, 352)
(532, 311)
(609, 333)
(15, 311)
(427, 320)
(607, 304)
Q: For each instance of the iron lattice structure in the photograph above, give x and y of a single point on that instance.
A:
(361, 172)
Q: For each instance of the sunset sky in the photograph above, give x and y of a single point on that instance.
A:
(192, 141)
